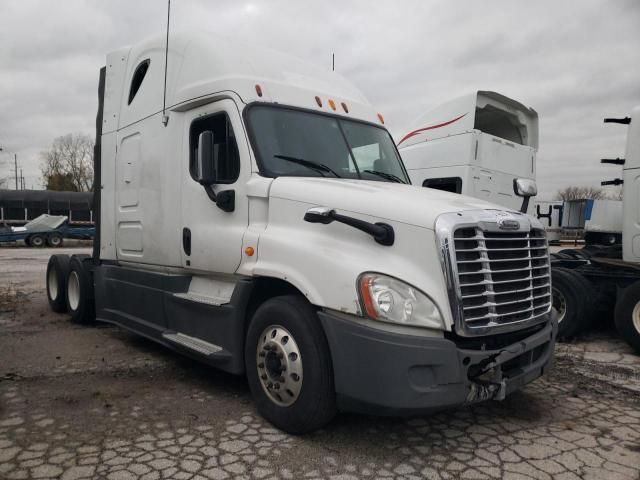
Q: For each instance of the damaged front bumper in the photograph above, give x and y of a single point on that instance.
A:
(387, 373)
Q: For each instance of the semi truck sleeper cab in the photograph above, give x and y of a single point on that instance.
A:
(265, 224)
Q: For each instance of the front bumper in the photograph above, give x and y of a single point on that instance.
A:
(384, 373)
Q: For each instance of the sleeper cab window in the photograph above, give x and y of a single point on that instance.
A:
(138, 77)
(448, 184)
(225, 158)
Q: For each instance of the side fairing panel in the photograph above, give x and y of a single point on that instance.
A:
(107, 201)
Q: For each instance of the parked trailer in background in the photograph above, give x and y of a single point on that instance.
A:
(263, 224)
(597, 279)
(477, 145)
(18, 207)
(50, 230)
(549, 213)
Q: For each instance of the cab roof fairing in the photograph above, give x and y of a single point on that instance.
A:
(205, 65)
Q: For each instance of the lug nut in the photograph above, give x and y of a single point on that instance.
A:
(277, 386)
(263, 377)
(261, 354)
(269, 385)
(281, 379)
(261, 365)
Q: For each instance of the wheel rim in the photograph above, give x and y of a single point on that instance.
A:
(73, 290)
(52, 283)
(37, 241)
(560, 304)
(635, 316)
(279, 365)
(55, 241)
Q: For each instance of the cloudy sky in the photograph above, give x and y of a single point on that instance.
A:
(573, 62)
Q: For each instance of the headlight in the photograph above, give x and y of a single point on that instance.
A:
(388, 299)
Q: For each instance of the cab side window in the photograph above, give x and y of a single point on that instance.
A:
(225, 149)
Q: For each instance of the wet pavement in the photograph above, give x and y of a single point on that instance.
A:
(97, 402)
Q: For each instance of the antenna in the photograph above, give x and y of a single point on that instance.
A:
(333, 62)
(165, 118)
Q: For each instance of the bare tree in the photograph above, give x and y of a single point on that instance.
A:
(581, 193)
(68, 164)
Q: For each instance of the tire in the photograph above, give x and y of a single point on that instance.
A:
(36, 241)
(304, 400)
(56, 279)
(576, 253)
(79, 291)
(27, 241)
(627, 316)
(573, 299)
(54, 240)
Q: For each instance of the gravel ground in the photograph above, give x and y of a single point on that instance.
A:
(97, 402)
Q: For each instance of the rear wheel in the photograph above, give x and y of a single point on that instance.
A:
(628, 315)
(79, 291)
(36, 241)
(57, 271)
(289, 365)
(573, 300)
(54, 240)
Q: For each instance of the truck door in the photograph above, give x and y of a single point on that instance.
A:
(211, 238)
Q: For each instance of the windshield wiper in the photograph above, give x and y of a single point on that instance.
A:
(319, 167)
(388, 176)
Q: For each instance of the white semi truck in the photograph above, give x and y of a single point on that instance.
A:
(479, 145)
(262, 223)
(598, 279)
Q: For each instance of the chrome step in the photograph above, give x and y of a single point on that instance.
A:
(192, 343)
(195, 297)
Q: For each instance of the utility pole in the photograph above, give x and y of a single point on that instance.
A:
(15, 161)
(21, 180)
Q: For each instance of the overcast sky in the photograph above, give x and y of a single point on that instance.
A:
(573, 62)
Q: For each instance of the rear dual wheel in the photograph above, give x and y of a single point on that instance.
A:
(79, 297)
(57, 272)
(573, 300)
(627, 315)
(289, 365)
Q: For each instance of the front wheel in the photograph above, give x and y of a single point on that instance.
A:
(289, 365)
(628, 315)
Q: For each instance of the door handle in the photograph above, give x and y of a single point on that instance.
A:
(186, 241)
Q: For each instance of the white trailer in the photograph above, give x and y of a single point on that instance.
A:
(597, 279)
(262, 223)
(477, 145)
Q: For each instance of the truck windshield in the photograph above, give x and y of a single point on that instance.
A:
(305, 144)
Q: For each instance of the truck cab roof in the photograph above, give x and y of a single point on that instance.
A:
(204, 65)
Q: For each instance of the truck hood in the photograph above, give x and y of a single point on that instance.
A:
(408, 204)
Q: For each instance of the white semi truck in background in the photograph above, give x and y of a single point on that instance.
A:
(479, 145)
(263, 223)
(599, 279)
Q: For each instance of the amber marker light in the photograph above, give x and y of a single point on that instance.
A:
(259, 90)
(381, 118)
(318, 101)
(249, 251)
(365, 294)
(332, 104)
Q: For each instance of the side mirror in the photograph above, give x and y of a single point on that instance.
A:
(206, 161)
(526, 188)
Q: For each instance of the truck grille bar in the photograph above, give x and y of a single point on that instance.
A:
(498, 280)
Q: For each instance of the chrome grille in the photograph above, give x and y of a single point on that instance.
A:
(502, 278)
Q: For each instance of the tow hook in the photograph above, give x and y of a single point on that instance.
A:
(488, 385)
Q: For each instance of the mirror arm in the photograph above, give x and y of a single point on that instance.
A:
(525, 204)
(210, 193)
